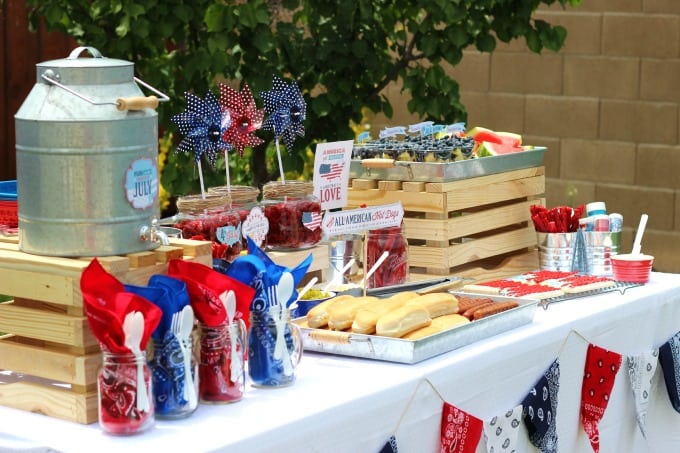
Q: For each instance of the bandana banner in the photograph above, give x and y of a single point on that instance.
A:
(390, 446)
(669, 357)
(598, 380)
(502, 431)
(540, 410)
(460, 431)
(641, 369)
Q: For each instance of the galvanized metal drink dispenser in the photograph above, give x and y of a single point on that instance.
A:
(87, 153)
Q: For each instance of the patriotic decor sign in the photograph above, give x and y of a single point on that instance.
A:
(536, 414)
(331, 173)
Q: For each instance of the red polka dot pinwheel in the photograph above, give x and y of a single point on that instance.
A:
(246, 118)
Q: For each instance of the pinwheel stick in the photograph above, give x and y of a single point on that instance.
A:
(226, 165)
(200, 178)
(278, 155)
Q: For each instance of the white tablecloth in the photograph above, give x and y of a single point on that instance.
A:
(343, 404)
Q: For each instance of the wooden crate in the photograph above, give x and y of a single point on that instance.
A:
(49, 355)
(452, 224)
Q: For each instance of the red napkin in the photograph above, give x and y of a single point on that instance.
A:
(598, 380)
(460, 431)
(205, 286)
(107, 303)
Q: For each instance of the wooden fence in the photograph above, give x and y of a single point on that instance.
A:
(20, 51)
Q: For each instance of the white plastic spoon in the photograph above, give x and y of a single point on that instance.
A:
(285, 289)
(637, 245)
(133, 325)
(235, 367)
(186, 327)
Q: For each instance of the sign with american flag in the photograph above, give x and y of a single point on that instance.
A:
(362, 219)
(331, 173)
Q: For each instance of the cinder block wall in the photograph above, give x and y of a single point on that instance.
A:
(606, 106)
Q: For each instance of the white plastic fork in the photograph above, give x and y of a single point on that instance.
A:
(182, 324)
(275, 313)
(284, 291)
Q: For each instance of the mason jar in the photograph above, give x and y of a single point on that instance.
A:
(175, 377)
(267, 366)
(124, 392)
(294, 215)
(394, 270)
(211, 219)
(221, 366)
(244, 200)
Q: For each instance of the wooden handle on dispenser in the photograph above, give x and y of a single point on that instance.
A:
(137, 103)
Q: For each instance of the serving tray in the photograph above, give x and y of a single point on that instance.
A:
(446, 171)
(414, 351)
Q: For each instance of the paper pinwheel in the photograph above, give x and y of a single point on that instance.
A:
(286, 110)
(245, 117)
(203, 125)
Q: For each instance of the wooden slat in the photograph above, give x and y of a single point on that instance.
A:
(464, 184)
(46, 325)
(412, 201)
(50, 400)
(469, 223)
(50, 363)
(21, 278)
(496, 192)
(363, 184)
(473, 250)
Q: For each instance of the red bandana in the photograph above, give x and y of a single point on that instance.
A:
(460, 431)
(598, 380)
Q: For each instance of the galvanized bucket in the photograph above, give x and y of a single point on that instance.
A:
(556, 251)
(341, 251)
(86, 151)
(601, 247)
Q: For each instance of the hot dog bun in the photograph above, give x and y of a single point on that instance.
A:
(318, 316)
(367, 317)
(341, 314)
(402, 320)
(437, 304)
(439, 324)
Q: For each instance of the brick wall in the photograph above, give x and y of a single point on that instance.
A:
(606, 106)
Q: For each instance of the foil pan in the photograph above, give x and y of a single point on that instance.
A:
(414, 351)
(448, 171)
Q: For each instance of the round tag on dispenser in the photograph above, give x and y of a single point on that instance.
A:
(141, 183)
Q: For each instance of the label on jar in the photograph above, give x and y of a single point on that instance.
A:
(228, 234)
(256, 226)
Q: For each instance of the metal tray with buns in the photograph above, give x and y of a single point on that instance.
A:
(414, 351)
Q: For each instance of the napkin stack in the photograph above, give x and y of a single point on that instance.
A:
(107, 303)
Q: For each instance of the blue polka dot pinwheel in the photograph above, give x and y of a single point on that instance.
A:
(203, 125)
(285, 109)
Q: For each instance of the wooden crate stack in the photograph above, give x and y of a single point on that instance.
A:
(49, 358)
(452, 224)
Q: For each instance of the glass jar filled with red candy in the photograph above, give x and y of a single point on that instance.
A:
(244, 201)
(210, 218)
(394, 270)
(294, 215)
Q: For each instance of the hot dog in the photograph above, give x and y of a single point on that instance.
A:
(492, 309)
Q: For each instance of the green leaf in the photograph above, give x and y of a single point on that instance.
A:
(485, 43)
